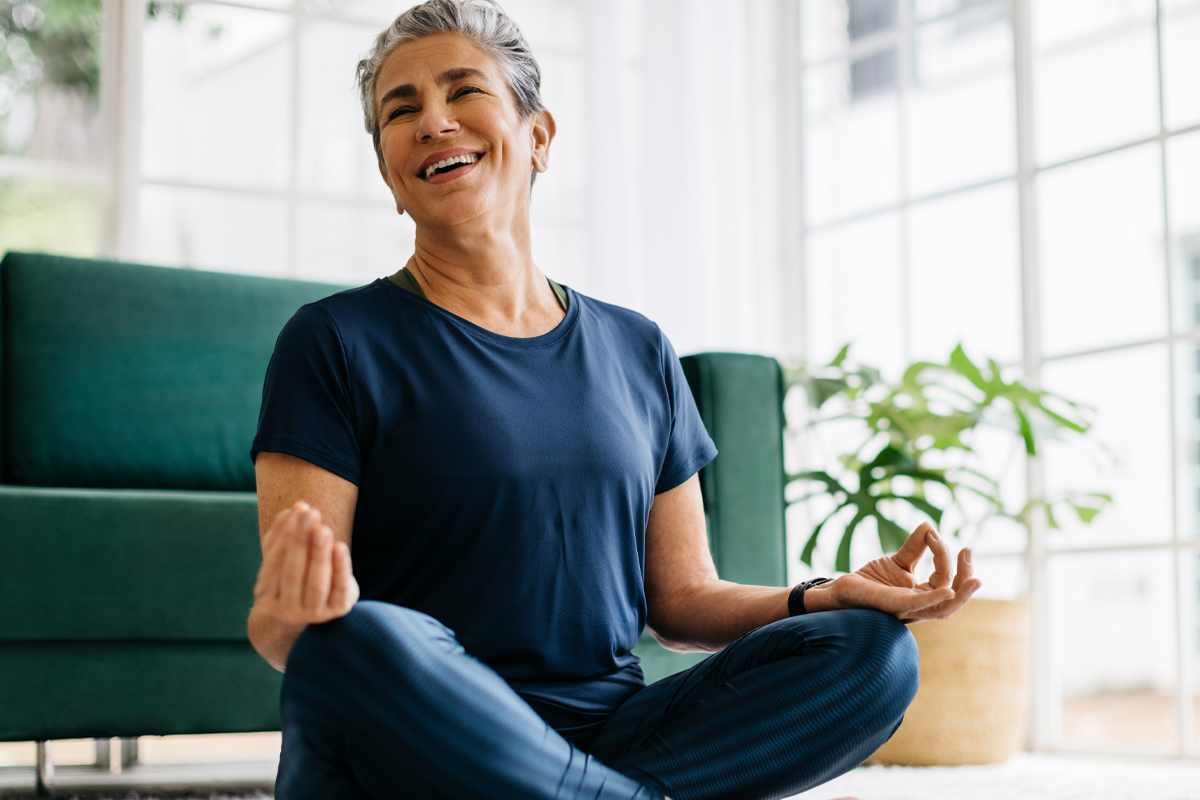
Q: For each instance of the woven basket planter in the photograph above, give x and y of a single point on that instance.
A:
(974, 696)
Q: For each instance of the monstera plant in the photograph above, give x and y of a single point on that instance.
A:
(917, 433)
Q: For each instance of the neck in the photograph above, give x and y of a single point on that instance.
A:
(487, 278)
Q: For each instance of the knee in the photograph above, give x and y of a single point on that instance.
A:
(886, 648)
(372, 635)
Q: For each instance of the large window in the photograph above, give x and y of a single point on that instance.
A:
(1022, 177)
(53, 182)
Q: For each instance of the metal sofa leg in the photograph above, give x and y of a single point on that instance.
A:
(129, 752)
(103, 754)
(45, 770)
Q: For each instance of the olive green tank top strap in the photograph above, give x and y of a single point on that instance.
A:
(405, 280)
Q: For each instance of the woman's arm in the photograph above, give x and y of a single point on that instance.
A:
(691, 609)
(305, 516)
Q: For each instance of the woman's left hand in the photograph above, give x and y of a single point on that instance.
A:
(888, 584)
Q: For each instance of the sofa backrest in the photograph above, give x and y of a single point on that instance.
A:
(740, 398)
(127, 376)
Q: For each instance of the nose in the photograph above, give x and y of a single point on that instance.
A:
(436, 121)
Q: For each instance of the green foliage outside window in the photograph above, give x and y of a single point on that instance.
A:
(57, 41)
(917, 433)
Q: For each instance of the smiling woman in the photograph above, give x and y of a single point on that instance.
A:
(477, 487)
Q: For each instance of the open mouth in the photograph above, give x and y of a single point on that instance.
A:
(450, 164)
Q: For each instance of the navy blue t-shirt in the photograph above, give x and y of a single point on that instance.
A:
(504, 483)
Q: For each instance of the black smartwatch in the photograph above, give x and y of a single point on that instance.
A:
(796, 598)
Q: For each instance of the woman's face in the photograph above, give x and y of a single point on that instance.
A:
(442, 98)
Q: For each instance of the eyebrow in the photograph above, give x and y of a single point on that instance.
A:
(447, 77)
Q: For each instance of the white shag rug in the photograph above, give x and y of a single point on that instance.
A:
(1023, 777)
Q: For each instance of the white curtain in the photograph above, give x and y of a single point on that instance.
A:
(691, 163)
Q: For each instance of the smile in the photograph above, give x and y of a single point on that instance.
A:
(450, 164)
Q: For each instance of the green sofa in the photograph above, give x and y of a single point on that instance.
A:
(128, 399)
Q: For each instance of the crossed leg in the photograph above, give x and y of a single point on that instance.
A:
(785, 708)
(384, 703)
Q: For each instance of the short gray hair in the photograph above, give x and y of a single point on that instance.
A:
(482, 21)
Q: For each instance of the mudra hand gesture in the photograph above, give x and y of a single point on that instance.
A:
(888, 584)
(305, 576)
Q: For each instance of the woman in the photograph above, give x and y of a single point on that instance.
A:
(515, 465)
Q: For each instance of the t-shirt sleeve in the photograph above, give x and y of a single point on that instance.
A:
(690, 446)
(307, 409)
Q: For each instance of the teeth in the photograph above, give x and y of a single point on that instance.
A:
(468, 158)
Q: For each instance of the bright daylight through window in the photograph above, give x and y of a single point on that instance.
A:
(1020, 176)
(960, 159)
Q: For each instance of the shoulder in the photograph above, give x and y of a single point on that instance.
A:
(342, 315)
(623, 324)
(350, 304)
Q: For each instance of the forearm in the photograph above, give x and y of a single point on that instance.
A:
(709, 614)
(272, 637)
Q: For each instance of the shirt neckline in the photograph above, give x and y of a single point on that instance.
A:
(551, 336)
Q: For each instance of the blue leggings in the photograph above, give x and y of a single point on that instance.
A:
(385, 703)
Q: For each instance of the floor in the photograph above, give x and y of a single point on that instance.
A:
(242, 766)
(1024, 777)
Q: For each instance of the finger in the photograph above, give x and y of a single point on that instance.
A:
(294, 510)
(274, 549)
(320, 570)
(964, 568)
(295, 561)
(941, 560)
(343, 591)
(913, 548)
(948, 607)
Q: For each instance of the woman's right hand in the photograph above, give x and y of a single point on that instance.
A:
(305, 576)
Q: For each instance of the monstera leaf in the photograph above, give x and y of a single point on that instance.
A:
(933, 407)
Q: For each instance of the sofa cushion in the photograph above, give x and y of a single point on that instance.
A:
(740, 398)
(126, 565)
(69, 690)
(117, 375)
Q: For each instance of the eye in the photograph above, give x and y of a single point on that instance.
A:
(398, 111)
(467, 90)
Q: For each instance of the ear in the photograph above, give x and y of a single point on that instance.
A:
(383, 173)
(541, 134)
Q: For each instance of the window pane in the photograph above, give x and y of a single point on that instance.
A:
(1098, 96)
(336, 156)
(1003, 577)
(272, 4)
(966, 275)
(1189, 580)
(961, 123)
(1187, 443)
(216, 97)
(1128, 452)
(51, 216)
(854, 292)
(213, 230)
(350, 244)
(851, 148)
(823, 29)
(1183, 190)
(548, 25)
(1103, 279)
(1181, 68)
(1060, 21)
(563, 187)
(371, 12)
(50, 81)
(1113, 629)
